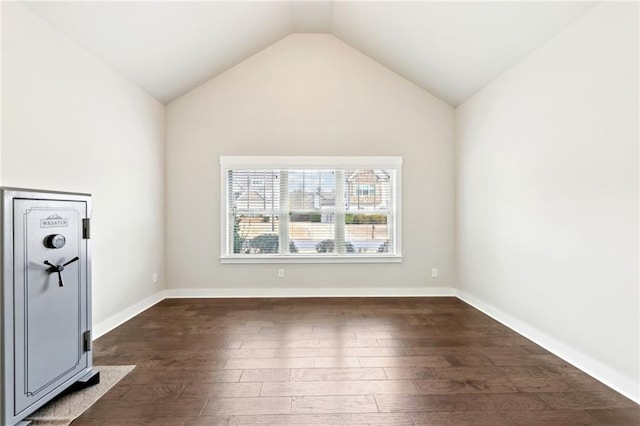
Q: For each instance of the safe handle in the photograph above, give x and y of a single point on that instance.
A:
(59, 268)
(71, 261)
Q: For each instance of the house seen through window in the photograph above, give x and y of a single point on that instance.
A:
(310, 208)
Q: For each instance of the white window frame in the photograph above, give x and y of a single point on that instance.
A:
(290, 162)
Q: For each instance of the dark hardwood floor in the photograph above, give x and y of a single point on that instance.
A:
(342, 361)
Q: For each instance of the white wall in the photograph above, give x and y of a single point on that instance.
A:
(309, 94)
(547, 193)
(69, 123)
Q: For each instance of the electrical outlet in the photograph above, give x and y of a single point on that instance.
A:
(154, 277)
(280, 273)
(434, 273)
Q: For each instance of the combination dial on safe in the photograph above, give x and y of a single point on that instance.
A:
(55, 241)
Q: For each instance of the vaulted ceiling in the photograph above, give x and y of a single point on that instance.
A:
(451, 49)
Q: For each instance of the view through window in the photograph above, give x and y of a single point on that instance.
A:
(310, 207)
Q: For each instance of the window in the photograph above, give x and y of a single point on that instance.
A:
(366, 190)
(310, 209)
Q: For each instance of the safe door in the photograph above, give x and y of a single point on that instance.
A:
(51, 300)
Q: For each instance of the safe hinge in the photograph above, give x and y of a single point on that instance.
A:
(86, 340)
(86, 228)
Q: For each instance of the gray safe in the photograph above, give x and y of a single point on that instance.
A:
(46, 298)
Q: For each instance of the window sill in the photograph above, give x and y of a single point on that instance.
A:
(311, 259)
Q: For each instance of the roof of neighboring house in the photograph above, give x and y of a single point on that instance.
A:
(380, 174)
(254, 200)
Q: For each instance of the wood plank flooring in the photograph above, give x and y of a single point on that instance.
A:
(343, 361)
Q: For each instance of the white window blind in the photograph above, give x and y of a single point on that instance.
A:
(310, 209)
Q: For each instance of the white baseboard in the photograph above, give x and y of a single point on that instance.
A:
(312, 292)
(126, 314)
(615, 380)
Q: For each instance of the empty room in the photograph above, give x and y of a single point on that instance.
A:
(320, 213)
